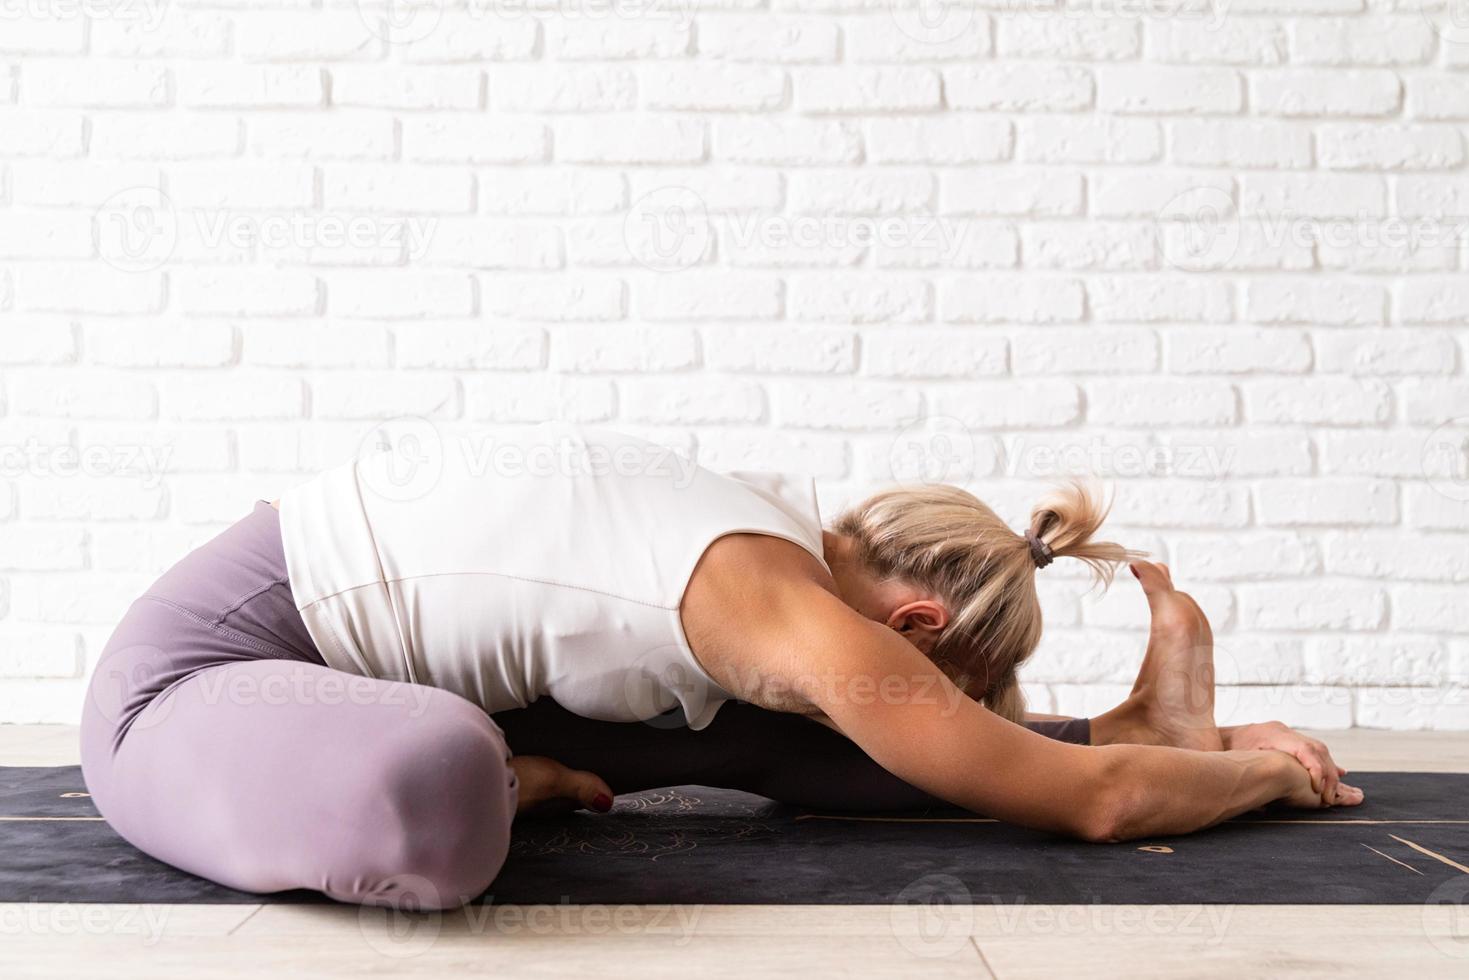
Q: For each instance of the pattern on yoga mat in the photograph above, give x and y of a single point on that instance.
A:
(1409, 844)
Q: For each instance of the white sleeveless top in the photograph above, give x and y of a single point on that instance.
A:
(526, 562)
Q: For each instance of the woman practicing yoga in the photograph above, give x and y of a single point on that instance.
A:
(306, 700)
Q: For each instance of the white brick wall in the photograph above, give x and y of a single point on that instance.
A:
(1213, 253)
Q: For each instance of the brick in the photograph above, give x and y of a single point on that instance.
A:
(1362, 41)
(537, 398)
(1301, 503)
(317, 35)
(1010, 404)
(1333, 605)
(1157, 299)
(1155, 90)
(1080, 37)
(1133, 402)
(1019, 87)
(865, 90)
(1092, 140)
(786, 142)
(1386, 352)
(1398, 557)
(638, 139)
(570, 89)
(1012, 300)
(1315, 301)
(1319, 401)
(776, 39)
(419, 87)
(1377, 148)
(1251, 556)
(204, 85)
(1246, 144)
(554, 298)
(1085, 350)
(943, 140)
(1039, 192)
(853, 298)
(106, 84)
(1238, 351)
(911, 352)
(450, 138)
(1304, 92)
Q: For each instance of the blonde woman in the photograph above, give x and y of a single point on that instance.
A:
(306, 700)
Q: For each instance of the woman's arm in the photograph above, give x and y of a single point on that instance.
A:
(922, 729)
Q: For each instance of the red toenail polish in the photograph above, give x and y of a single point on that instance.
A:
(602, 803)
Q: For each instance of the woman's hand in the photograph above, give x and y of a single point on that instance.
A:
(548, 787)
(1309, 752)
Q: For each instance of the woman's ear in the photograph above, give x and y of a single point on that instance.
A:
(921, 621)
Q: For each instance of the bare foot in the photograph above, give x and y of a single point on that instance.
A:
(1172, 702)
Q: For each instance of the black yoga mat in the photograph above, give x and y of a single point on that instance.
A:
(1408, 844)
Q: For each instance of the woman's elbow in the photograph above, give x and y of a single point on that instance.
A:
(1114, 810)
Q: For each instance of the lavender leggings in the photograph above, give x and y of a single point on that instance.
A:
(215, 738)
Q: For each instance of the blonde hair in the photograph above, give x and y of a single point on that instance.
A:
(946, 540)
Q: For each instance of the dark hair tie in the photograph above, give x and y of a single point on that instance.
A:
(1040, 552)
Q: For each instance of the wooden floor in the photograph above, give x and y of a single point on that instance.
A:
(802, 942)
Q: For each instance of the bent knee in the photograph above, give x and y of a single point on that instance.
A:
(447, 797)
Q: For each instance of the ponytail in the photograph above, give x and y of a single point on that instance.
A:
(946, 540)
